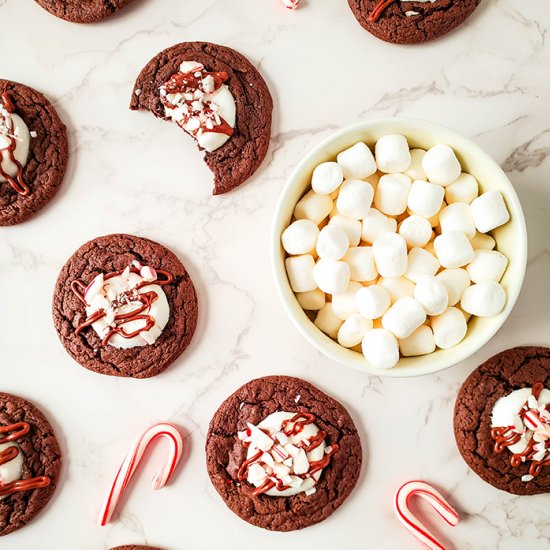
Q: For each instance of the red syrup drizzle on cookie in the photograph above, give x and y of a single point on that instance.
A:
(189, 83)
(17, 431)
(379, 9)
(299, 421)
(507, 436)
(17, 184)
(146, 299)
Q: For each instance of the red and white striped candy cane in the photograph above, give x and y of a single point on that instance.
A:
(291, 4)
(440, 505)
(132, 460)
(532, 420)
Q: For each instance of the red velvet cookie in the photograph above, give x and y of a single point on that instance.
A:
(33, 152)
(282, 454)
(217, 96)
(125, 306)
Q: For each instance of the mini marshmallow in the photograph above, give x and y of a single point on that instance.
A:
(300, 272)
(432, 295)
(449, 328)
(332, 243)
(361, 262)
(415, 170)
(489, 211)
(425, 198)
(331, 276)
(372, 301)
(351, 227)
(327, 321)
(390, 255)
(488, 265)
(355, 199)
(416, 230)
(464, 189)
(357, 162)
(300, 237)
(420, 342)
(404, 317)
(375, 224)
(484, 299)
(397, 287)
(314, 207)
(453, 249)
(353, 330)
(344, 305)
(456, 281)
(312, 300)
(483, 241)
(326, 178)
(441, 165)
(421, 263)
(391, 194)
(457, 217)
(380, 349)
(392, 154)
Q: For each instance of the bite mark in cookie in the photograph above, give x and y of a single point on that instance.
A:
(310, 453)
(215, 94)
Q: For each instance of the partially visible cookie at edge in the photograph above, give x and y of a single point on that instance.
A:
(495, 394)
(217, 96)
(411, 22)
(305, 475)
(83, 11)
(125, 306)
(30, 464)
(33, 152)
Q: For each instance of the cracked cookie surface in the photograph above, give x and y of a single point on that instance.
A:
(432, 20)
(510, 370)
(225, 452)
(114, 253)
(82, 11)
(239, 158)
(42, 457)
(48, 153)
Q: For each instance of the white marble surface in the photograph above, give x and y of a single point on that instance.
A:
(130, 172)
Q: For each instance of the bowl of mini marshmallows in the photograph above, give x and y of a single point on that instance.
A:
(399, 247)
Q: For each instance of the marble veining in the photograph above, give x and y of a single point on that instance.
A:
(130, 172)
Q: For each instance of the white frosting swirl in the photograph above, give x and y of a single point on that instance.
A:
(12, 126)
(284, 457)
(118, 296)
(12, 470)
(193, 120)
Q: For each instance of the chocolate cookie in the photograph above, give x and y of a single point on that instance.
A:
(409, 21)
(218, 97)
(82, 11)
(134, 547)
(33, 152)
(30, 462)
(282, 454)
(124, 306)
(484, 443)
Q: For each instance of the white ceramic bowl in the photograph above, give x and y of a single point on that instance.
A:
(511, 238)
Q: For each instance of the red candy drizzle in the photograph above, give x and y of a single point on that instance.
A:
(146, 300)
(17, 184)
(16, 432)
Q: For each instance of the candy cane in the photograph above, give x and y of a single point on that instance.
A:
(291, 4)
(441, 506)
(132, 460)
(532, 420)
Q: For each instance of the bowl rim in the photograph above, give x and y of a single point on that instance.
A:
(326, 345)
